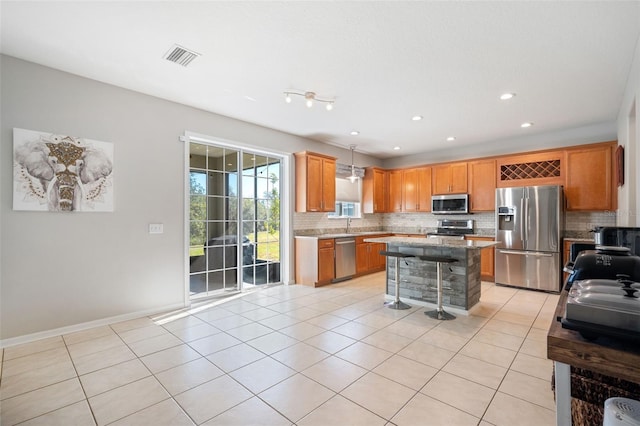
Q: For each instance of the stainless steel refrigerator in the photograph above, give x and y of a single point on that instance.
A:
(529, 227)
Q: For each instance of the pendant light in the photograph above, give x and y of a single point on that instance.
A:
(353, 178)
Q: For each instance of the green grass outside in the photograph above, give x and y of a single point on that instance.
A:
(268, 249)
(196, 251)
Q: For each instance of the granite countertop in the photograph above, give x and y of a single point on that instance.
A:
(343, 235)
(580, 240)
(429, 242)
(365, 233)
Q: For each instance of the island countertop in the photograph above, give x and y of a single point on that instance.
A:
(430, 242)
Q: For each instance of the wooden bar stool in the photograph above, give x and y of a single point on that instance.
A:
(397, 303)
(439, 313)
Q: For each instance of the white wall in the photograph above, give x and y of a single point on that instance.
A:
(58, 270)
(628, 133)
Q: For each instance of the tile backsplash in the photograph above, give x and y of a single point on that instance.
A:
(577, 224)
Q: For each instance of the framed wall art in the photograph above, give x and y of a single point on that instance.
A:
(61, 173)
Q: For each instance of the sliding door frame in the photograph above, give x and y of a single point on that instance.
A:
(286, 212)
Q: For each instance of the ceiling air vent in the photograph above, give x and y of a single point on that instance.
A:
(181, 55)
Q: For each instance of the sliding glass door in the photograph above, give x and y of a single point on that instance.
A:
(234, 218)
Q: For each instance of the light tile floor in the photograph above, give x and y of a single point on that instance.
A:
(294, 355)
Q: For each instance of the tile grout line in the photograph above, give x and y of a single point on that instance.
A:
(360, 302)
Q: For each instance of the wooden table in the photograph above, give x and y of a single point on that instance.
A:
(606, 356)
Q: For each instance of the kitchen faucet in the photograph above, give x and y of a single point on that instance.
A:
(348, 224)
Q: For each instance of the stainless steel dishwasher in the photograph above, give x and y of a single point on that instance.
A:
(345, 258)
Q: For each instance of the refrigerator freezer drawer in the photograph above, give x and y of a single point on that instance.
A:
(535, 270)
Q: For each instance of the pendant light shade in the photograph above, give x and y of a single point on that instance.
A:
(353, 178)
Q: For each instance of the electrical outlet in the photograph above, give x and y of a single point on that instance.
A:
(156, 228)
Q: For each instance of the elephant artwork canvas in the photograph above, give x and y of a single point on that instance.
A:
(61, 173)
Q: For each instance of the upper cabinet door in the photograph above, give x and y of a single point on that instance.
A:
(449, 178)
(482, 185)
(410, 190)
(590, 182)
(375, 191)
(441, 180)
(458, 178)
(395, 191)
(328, 185)
(315, 182)
(424, 189)
(314, 187)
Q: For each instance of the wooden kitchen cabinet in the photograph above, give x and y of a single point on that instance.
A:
(482, 185)
(590, 183)
(368, 257)
(487, 258)
(375, 189)
(395, 191)
(315, 182)
(410, 190)
(449, 179)
(326, 261)
(537, 168)
(416, 190)
(314, 261)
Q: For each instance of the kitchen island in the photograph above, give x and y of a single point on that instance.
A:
(461, 280)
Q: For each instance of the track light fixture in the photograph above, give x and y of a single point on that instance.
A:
(310, 98)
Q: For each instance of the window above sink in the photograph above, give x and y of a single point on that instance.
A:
(348, 199)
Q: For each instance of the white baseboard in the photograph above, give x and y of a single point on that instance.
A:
(28, 338)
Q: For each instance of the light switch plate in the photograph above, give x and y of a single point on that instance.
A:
(156, 228)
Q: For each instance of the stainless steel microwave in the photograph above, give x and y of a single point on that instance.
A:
(450, 204)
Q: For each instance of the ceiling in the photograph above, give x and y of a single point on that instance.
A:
(382, 62)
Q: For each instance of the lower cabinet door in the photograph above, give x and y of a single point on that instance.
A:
(326, 265)
(362, 258)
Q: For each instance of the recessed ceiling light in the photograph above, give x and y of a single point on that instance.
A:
(527, 124)
(396, 148)
(416, 118)
(354, 133)
(451, 138)
(507, 96)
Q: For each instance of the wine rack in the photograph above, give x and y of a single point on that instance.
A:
(531, 170)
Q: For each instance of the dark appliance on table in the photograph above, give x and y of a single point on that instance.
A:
(529, 226)
(604, 290)
(452, 229)
(618, 236)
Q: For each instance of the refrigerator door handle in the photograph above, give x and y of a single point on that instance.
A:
(522, 253)
(524, 223)
(526, 253)
(521, 218)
